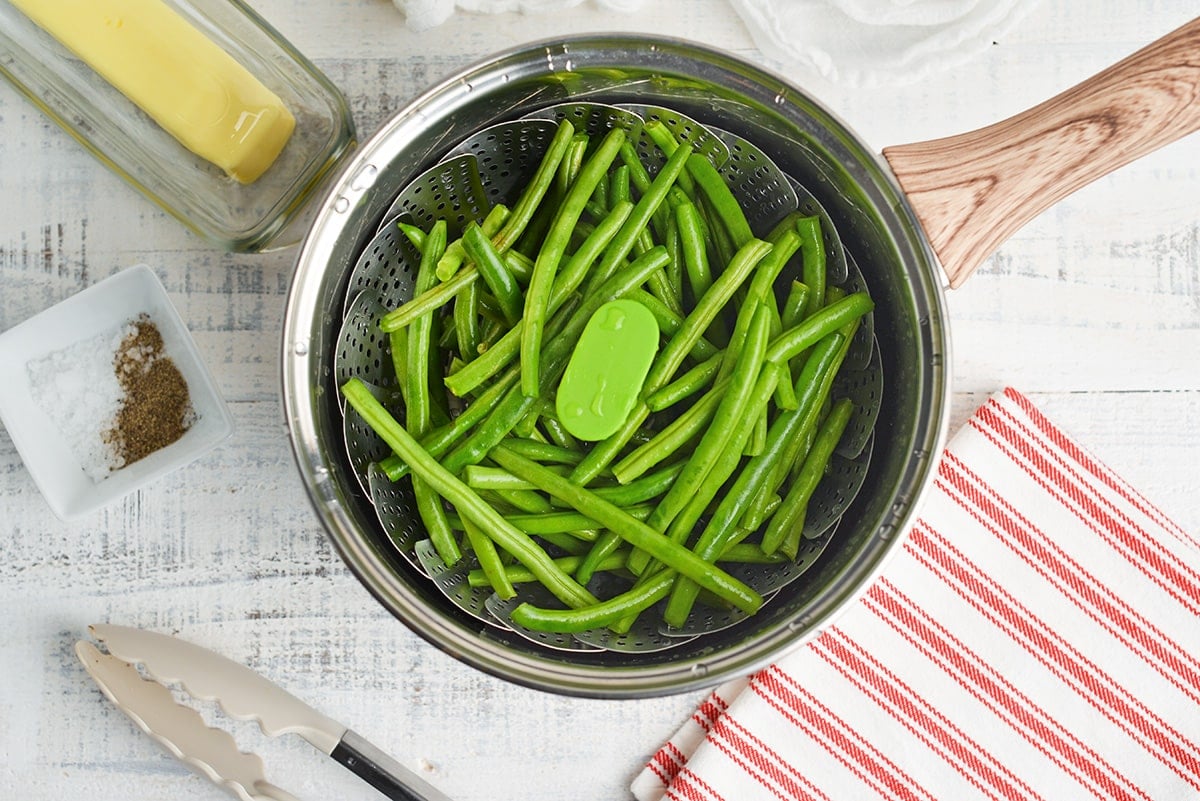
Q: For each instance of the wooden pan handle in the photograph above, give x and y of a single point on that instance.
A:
(972, 191)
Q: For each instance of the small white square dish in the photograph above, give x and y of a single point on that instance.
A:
(56, 369)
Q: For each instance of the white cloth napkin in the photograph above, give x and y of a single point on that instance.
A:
(1038, 636)
(873, 42)
(849, 42)
(424, 14)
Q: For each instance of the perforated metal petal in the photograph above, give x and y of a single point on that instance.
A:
(501, 610)
(452, 581)
(507, 155)
(363, 446)
(769, 579)
(837, 490)
(451, 190)
(362, 350)
(835, 253)
(865, 389)
(643, 636)
(386, 268)
(864, 347)
(394, 506)
(593, 119)
(703, 620)
(762, 190)
(683, 128)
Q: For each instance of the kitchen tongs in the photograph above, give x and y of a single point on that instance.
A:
(242, 694)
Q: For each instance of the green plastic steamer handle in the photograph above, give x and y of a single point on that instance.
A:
(605, 374)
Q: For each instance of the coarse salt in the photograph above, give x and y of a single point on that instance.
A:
(78, 390)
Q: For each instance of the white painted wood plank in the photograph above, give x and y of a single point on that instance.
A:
(1093, 310)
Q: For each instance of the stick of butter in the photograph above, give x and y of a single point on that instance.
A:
(186, 83)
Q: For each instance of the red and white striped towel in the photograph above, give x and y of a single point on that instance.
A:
(1038, 637)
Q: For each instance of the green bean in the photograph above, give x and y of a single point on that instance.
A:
(633, 531)
(601, 551)
(757, 513)
(662, 137)
(715, 439)
(489, 560)
(810, 330)
(535, 190)
(494, 271)
(416, 395)
(674, 269)
(507, 347)
(520, 265)
(788, 520)
(725, 460)
(695, 255)
(413, 233)
(618, 607)
(570, 543)
(427, 302)
(618, 185)
(525, 500)
(680, 431)
(642, 489)
(663, 368)
(605, 548)
(564, 522)
(758, 433)
(441, 440)
(544, 452)
(785, 392)
(794, 305)
(456, 253)
(517, 574)
(638, 175)
(717, 238)
(706, 310)
(641, 181)
(669, 322)
(558, 434)
(466, 322)
(511, 409)
(723, 203)
(398, 346)
(537, 297)
(433, 517)
(686, 385)
(599, 205)
(750, 553)
(751, 482)
(622, 243)
(758, 291)
(815, 402)
(489, 308)
(813, 253)
(468, 503)
(572, 162)
(493, 478)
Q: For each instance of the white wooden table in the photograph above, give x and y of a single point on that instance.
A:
(1093, 310)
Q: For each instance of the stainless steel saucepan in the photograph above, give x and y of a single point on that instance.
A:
(921, 217)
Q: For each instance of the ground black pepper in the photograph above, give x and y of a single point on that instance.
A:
(157, 408)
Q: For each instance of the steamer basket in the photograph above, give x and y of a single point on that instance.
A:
(809, 145)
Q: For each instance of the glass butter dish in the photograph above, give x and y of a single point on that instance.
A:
(98, 110)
